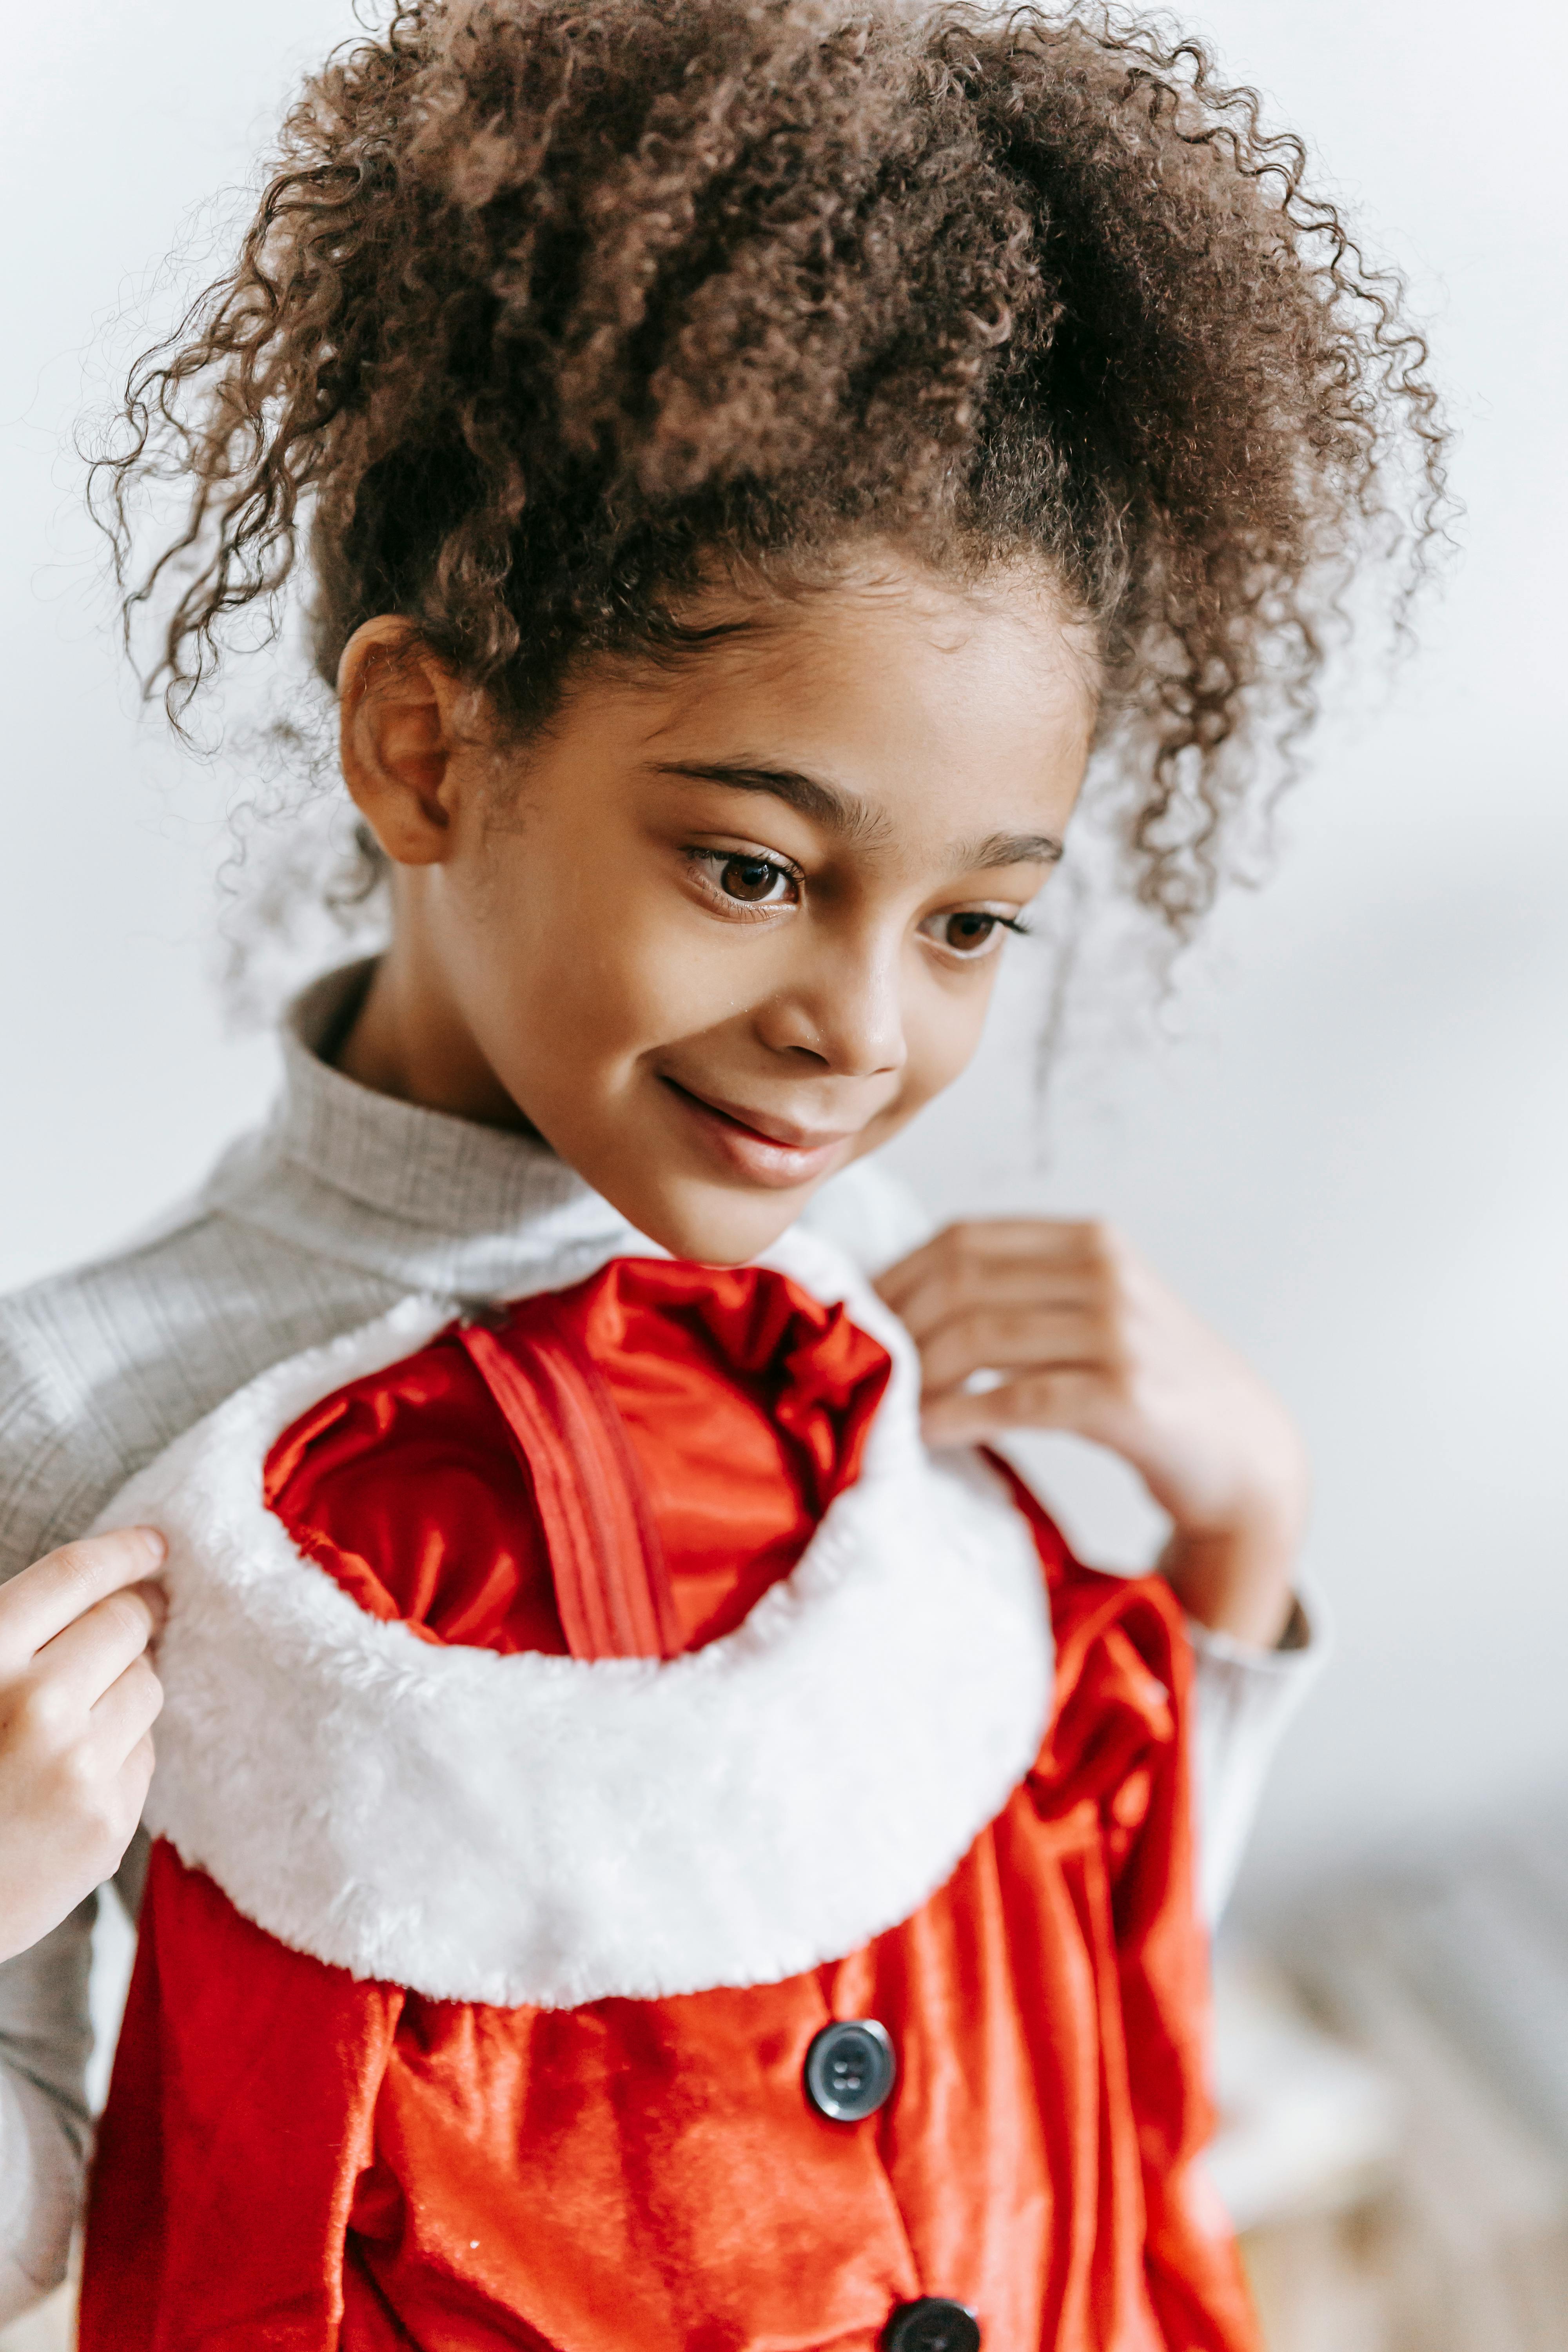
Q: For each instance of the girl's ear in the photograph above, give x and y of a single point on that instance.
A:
(397, 710)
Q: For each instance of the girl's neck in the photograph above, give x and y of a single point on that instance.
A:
(408, 1039)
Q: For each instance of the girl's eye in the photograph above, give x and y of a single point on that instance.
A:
(746, 880)
(752, 879)
(971, 933)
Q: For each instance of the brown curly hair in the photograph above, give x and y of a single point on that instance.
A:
(548, 305)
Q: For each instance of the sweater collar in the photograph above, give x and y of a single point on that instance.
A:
(429, 1201)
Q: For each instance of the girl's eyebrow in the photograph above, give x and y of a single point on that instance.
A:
(842, 813)
(1010, 849)
(846, 815)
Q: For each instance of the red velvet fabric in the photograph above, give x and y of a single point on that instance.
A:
(293, 2159)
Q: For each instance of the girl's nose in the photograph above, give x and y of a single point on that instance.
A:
(844, 1011)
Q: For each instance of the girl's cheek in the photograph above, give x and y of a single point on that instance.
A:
(634, 977)
(946, 1028)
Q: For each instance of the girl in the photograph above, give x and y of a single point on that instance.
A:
(655, 1842)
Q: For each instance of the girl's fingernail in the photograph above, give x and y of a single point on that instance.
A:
(153, 1543)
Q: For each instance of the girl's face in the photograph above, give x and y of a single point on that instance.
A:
(725, 928)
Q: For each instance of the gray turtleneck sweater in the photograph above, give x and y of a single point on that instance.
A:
(344, 1204)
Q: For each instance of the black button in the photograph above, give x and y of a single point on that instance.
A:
(850, 2070)
(931, 2324)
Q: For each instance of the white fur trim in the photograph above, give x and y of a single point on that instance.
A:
(531, 1829)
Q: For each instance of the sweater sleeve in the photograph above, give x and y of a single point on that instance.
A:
(46, 2033)
(45, 2040)
(1243, 1699)
(99, 1369)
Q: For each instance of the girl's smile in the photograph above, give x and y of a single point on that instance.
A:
(763, 1149)
(759, 894)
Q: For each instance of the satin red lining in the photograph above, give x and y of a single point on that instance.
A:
(612, 1587)
(543, 1478)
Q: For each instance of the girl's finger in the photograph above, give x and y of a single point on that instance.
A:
(1065, 1399)
(92, 1654)
(972, 1247)
(1004, 1283)
(126, 1712)
(39, 1603)
(1006, 1339)
(137, 1771)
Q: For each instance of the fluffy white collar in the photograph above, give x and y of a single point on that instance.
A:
(544, 1829)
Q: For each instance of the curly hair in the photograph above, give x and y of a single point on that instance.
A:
(548, 306)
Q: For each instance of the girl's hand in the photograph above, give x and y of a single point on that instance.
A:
(78, 1699)
(1085, 1337)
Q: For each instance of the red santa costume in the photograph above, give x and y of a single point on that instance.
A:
(649, 1857)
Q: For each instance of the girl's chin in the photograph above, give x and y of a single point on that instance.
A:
(717, 1224)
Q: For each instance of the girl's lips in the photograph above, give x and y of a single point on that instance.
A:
(744, 1149)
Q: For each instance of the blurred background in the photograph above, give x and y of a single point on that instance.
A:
(1345, 1137)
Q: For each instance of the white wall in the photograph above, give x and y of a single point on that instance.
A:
(1354, 1161)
